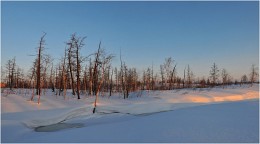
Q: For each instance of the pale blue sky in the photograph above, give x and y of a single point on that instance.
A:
(194, 33)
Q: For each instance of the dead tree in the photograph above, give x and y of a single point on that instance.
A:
(214, 74)
(90, 78)
(97, 63)
(78, 43)
(244, 79)
(38, 73)
(189, 77)
(116, 79)
(169, 71)
(153, 82)
(183, 83)
(10, 66)
(111, 83)
(74, 61)
(63, 76)
(253, 75)
(224, 75)
(71, 68)
(32, 77)
(123, 87)
(162, 76)
(172, 77)
(47, 61)
(85, 81)
(102, 62)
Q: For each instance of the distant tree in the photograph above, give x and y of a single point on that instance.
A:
(224, 75)
(148, 78)
(208, 82)
(51, 80)
(122, 76)
(152, 79)
(116, 79)
(64, 75)
(10, 66)
(3, 75)
(214, 74)
(46, 64)
(190, 77)
(32, 76)
(168, 73)
(253, 75)
(85, 80)
(183, 82)
(202, 83)
(179, 82)
(244, 79)
(162, 76)
(111, 83)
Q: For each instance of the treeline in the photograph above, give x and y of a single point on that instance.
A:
(94, 73)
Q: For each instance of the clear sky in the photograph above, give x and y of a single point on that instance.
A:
(194, 33)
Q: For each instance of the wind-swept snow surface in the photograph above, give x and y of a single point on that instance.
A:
(161, 116)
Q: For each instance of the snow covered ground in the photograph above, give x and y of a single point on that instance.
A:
(186, 115)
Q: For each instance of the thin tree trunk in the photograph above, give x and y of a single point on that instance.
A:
(78, 72)
(71, 72)
(111, 83)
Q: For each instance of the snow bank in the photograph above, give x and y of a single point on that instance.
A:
(151, 102)
(84, 111)
(231, 122)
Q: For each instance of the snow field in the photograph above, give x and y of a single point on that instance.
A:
(147, 118)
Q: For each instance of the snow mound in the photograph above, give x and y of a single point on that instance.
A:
(87, 112)
(83, 111)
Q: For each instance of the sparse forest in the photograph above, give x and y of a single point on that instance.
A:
(93, 74)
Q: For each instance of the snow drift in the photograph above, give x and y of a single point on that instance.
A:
(151, 102)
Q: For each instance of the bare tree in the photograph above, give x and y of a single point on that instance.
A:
(33, 77)
(90, 77)
(162, 76)
(122, 76)
(38, 70)
(51, 81)
(183, 83)
(253, 75)
(47, 60)
(169, 71)
(111, 83)
(224, 75)
(79, 43)
(148, 79)
(244, 79)
(71, 63)
(63, 78)
(190, 77)
(97, 63)
(85, 81)
(203, 83)
(214, 74)
(10, 66)
(153, 80)
(117, 79)
(102, 62)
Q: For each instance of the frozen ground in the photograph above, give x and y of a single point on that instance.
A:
(201, 115)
